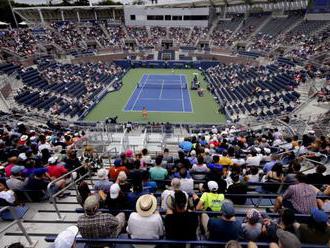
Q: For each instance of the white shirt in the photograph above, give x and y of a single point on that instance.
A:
(150, 227)
(254, 161)
(44, 146)
(8, 196)
(166, 193)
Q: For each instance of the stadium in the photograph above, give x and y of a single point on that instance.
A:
(180, 123)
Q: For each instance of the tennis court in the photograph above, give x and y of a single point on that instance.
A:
(161, 93)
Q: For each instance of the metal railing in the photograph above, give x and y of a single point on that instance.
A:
(14, 222)
(74, 181)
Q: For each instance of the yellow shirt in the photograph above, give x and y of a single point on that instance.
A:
(212, 200)
(225, 161)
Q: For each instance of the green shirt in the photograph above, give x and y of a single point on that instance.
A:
(212, 200)
(158, 173)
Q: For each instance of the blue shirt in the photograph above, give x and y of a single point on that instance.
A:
(221, 229)
(268, 166)
(186, 146)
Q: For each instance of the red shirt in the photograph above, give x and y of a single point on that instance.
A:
(56, 170)
(114, 172)
(8, 170)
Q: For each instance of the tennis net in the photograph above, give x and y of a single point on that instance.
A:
(162, 86)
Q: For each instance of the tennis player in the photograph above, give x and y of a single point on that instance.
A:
(144, 113)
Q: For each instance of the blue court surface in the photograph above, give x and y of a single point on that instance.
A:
(161, 93)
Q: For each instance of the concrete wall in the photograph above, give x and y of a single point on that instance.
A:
(318, 17)
(142, 12)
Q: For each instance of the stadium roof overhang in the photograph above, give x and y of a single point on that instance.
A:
(69, 7)
(215, 3)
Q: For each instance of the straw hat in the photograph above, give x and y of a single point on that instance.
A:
(146, 205)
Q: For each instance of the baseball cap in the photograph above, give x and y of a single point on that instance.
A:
(253, 215)
(114, 190)
(22, 156)
(52, 160)
(227, 208)
(17, 169)
(39, 171)
(213, 186)
(102, 174)
(319, 216)
(287, 239)
(66, 238)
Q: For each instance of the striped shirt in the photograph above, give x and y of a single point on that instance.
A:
(302, 196)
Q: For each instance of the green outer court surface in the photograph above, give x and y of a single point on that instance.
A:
(205, 109)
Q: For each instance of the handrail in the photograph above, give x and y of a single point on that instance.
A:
(300, 217)
(52, 197)
(16, 221)
(167, 242)
(145, 137)
(123, 144)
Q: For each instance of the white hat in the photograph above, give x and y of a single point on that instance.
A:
(213, 186)
(207, 150)
(52, 160)
(146, 205)
(102, 174)
(66, 238)
(267, 150)
(22, 156)
(114, 190)
(24, 137)
(193, 153)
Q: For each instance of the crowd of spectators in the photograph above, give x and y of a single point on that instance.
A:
(181, 35)
(245, 88)
(32, 158)
(224, 163)
(20, 41)
(76, 86)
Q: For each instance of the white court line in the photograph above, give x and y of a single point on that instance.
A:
(158, 99)
(182, 102)
(138, 96)
(161, 91)
(191, 104)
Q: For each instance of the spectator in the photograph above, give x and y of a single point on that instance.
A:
(94, 224)
(211, 201)
(287, 240)
(103, 183)
(225, 227)
(16, 180)
(116, 169)
(38, 184)
(251, 227)
(225, 160)
(117, 199)
(145, 156)
(66, 238)
(83, 193)
(7, 196)
(301, 197)
(179, 218)
(54, 170)
(317, 177)
(237, 187)
(146, 222)
(175, 186)
(158, 172)
(201, 168)
(317, 231)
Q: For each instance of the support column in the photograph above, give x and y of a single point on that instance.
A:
(113, 14)
(62, 15)
(78, 16)
(41, 16)
(95, 14)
